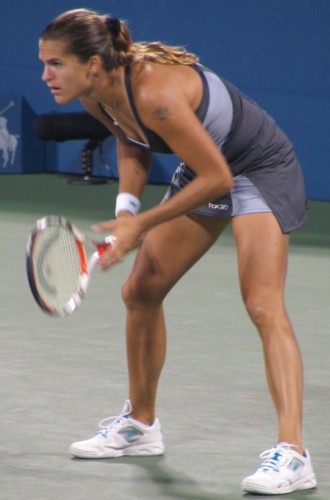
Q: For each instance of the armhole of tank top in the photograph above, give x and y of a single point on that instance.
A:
(201, 110)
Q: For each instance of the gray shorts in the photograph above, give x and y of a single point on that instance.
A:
(244, 198)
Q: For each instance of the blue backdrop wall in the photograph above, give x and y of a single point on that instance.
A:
(276, 51)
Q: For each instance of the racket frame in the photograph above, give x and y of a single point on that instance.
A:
(87, 266)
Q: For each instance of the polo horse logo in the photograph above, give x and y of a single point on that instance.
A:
(8, 141)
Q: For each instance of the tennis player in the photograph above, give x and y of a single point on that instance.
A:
(237, 167)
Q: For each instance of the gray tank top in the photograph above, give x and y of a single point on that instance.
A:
(252, 143)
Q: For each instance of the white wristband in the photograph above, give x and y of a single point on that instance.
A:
(127, 202)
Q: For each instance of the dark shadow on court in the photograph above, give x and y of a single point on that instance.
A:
(170, 482)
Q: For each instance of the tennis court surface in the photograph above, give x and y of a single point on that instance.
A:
(59, 377)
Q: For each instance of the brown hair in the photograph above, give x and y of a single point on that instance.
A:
(87, 33)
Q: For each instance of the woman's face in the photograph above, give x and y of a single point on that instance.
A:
(66, 77)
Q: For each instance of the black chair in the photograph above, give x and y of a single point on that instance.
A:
(61, 127)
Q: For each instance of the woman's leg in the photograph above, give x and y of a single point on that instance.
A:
(262, 262)
(166, 253)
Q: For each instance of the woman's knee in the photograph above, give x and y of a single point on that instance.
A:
(263, 310)
(141, 293)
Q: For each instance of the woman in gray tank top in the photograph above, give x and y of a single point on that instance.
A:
(236, 167)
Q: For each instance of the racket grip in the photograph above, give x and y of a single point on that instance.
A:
(108, 242)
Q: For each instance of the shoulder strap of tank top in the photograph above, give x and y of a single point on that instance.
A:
(130, 96)
(204, 104)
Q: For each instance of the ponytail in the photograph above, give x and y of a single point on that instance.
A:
(86, 34)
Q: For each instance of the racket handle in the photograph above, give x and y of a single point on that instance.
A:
(109, 240)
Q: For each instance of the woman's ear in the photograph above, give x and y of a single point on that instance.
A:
(95, 65)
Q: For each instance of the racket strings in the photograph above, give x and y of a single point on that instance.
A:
(57, 266)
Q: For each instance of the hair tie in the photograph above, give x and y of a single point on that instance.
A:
(113, 25)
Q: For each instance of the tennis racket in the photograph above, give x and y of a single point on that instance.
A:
(57, 266)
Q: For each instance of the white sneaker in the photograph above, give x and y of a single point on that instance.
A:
(122, 436)
(281, 471)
